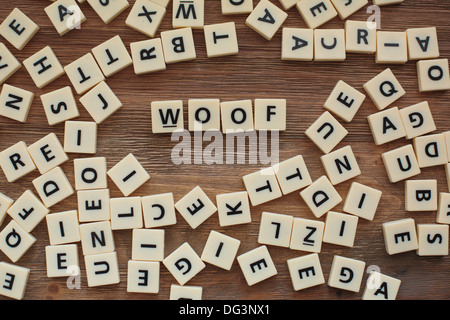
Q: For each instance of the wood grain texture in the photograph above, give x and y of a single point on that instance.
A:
(256, 72)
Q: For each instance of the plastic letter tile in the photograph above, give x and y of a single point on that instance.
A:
(28, 211)
(80, 137)
(401, 163)
(147, 56)
(96, 237)
(15, 103)
(167, 116)
(16, 162)
(422, 43)
(65, 15)
(59, 259)
(188, 13)
(101, 102)
(292, 174)
(128, 174)
(400, 236)
(340, 229)
(18, 29)
(287, 4)
(108, 10)
(59, 105)
(237, 116)
(47, 153)
(15, 241)
(361, 36)
(93, 205)
(5, 204)
(344, 101)
(63, 227)
(90, 173)
(84, 73)
(326, 132)
(266, 18)
(447, 171)
(270, 114)
(204, 114)
(178, 45)
(386, 2)
(184, 263)
(431, 150)
(158, 210)
(433, 239)
(112, 56)
(145, 17)
(421, 195)
(381, 287)
(233, 208)
(239, 7)
(9, 64)
(316, 12)
(384, 89)
(102, 269)
(143, 276)
(346, 8)
(433, 75)
(346, 273)
(447, 144)
(15, 279)
(307, 235)
(362, 201)
(329, 45)
(275, 229)
(386, 125)
(162, 3)
(321, 196)
(126, 213)
(340, 165)
(257, 265)
(195, 207)
(53, 187)
(392, 47)
(147, 244)
(443, 214)
(185, 292)
(220, 250)
(43, 67)
(305, 271)
(221, 39)
(417, 120)
(297, 44)
(262, 186)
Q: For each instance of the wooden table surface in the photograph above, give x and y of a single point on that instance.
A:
(256, 72)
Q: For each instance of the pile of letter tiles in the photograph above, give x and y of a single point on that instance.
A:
(92, 221)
